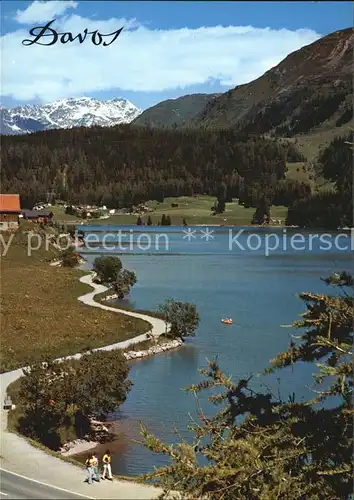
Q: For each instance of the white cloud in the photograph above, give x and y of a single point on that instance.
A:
(142, 59)
(43, 11)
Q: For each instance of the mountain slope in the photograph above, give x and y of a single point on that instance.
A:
(67, 113)
(11, 124)
(174, 112)
(311, 88)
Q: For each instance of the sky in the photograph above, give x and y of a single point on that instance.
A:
(166, 49)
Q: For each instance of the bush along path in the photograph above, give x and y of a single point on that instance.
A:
(19, 456)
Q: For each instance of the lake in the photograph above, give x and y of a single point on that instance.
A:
(254, 285)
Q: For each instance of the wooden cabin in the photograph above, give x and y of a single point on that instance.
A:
(10, 210)
(44, 216)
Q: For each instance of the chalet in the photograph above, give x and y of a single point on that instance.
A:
(38, 215)
(10, 210)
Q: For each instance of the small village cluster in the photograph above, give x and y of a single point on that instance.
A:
(11, 213)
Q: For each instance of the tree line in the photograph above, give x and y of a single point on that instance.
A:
(331, 208)
(126, 165)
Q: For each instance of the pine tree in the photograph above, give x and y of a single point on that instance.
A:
(221, 199)
(262, 213)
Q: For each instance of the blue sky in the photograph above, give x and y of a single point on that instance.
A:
(166, 49)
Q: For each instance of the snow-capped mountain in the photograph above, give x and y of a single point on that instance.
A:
(16, 124)
(67, 113)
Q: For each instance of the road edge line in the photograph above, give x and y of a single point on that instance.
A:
(45, 484)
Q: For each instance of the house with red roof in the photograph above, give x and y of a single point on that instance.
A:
(10, 210)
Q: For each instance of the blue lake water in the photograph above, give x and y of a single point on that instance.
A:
(224, 277)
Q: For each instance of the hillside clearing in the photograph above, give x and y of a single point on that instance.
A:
(195, 210)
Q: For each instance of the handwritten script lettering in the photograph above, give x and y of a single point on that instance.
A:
(41, 32)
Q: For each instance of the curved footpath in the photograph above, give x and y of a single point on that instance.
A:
(18, 456)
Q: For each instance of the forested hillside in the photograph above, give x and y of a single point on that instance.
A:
(306, 98)
(331, 208)
(126, 165)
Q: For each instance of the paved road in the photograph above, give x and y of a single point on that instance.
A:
(14, 486)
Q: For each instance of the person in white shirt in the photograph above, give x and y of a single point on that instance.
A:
(95, 468)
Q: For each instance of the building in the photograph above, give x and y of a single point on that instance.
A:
(37, 215)
(10, 210)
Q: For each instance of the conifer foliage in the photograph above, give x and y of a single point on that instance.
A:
(126, 165)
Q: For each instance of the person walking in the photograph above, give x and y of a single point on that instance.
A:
(107, 459)
(95, 468)
(90, 468)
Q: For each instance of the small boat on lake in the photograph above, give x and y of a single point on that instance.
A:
(227, 321)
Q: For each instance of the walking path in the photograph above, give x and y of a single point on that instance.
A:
(18, 456)
(158, 326)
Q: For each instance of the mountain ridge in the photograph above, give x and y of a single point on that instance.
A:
(174, 112)
(315, 79)
(309, 91)
(67, 113)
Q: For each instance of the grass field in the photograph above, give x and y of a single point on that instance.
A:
(311, 144)
(40, 312)
(195, 209)
(59, 214)
(304, 172)
(299, 171)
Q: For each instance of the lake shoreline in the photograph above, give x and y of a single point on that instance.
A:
(15, 441)
(96, 222)
(243, 285)
(218, 226)
(79, 446)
